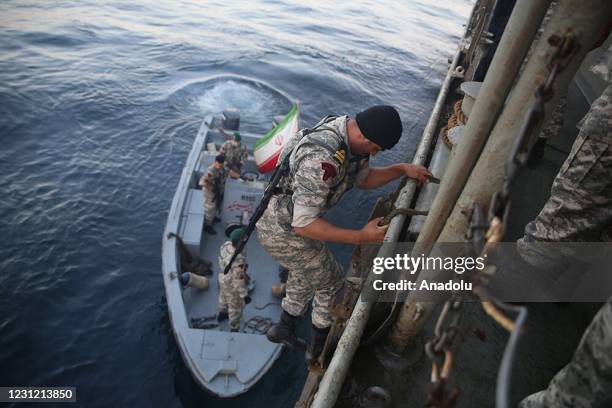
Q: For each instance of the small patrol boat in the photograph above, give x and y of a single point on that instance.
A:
(223, 362)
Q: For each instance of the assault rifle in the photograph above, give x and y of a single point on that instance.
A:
(280, 171)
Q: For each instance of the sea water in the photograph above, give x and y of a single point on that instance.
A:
(99, 104)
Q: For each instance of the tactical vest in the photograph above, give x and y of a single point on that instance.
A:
(347, 168)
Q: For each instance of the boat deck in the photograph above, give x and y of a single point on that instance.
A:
(225, 363)
(263, 271)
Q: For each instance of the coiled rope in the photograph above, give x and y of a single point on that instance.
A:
(257, 325)
(458, 118)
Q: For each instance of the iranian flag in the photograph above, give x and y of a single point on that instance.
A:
(269, 147)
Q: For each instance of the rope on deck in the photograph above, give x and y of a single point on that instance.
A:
(257, 325)
(458, 118)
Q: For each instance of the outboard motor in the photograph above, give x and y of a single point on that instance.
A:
(231, 119)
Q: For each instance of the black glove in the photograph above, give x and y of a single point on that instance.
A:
(247, 299)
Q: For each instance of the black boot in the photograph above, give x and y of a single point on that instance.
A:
(317, 342)
(284, 332)
(222, 316)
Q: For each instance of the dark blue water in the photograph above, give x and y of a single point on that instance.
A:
(99, 104)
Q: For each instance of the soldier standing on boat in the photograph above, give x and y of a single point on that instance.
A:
(233, 294)
(235, 155)
(580, 209)
(325, 162)
(213, 185)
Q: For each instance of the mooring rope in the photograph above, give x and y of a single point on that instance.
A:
(458, 118)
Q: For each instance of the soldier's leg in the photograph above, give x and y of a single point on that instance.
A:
(210, 212)
(580, 203)
(223, 303)
(298, 292)
(327, 281)
(302, 257)
(580, 209)
(275, 235)
(587, 380)
(235, 306)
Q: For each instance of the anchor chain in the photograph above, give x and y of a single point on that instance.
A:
(565, 47)
(483, 238)
(440, 351)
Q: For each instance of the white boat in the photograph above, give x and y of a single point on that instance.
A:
(223, 362)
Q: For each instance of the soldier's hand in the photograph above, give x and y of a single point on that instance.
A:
(371, 232)
(417, 172)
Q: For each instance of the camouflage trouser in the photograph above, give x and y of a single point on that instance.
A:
(580, 209)
(231, 302)
(587, 380)
(210, 207)
(580, 204)
(313, 270)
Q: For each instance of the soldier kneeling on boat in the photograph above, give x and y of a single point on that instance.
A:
(233, 293)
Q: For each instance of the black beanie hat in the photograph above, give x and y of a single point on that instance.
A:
(220, 158)
(380, 124)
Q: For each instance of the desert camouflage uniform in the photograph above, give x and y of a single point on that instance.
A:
(580, 209)
(318, 177)
(235, 155)
(232, 286)
(213, 184)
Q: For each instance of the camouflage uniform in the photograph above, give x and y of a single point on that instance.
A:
(586, 382)
(321, 170)
(213, 186)
(232, 286)
(580, 209)
(580, 204)
(235, 155)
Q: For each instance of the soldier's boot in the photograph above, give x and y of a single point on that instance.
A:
(317, 342)
(222, 316)
(217, 219)
(209, 229)
(284, 332)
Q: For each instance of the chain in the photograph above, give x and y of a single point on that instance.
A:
(564, 49)
(484, 235)
(440, 351)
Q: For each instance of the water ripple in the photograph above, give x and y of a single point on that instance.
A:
(99, 104)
